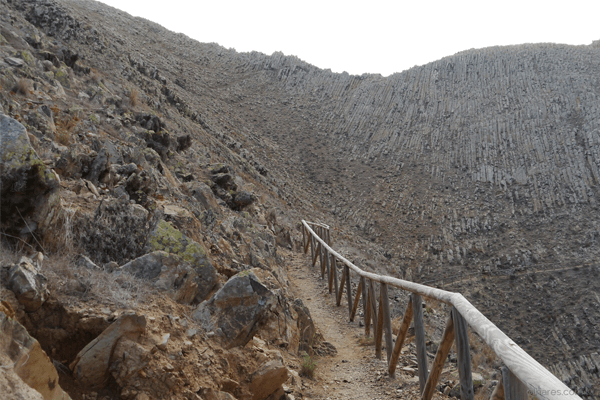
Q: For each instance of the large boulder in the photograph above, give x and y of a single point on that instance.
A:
(29, 191)
(203, 193)
(166, 238)
(29, 362)
(168, 272)
(28, 285)
(91, 365)
(268, 378)
(237, 310)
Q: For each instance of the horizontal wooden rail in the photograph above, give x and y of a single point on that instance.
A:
(523, 368)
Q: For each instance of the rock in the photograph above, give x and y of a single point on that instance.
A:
(168, 272)
(14, 62)
(84, 261)
(99, 166)
(268, 379)
(28, 361)
(201, 192)
(225, 180)
(115, 231)
(90, 367)
(237, 309)
(184, 142)
(29, 193)
(28, 285)
(478, 379)
(162, 345)
(127, 360)
(127, 169)
(243, 199)
(212, 394)
(166, 238)
(306, 326)
(73, 165)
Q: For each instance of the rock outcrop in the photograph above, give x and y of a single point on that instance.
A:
(91, 366)
(28, 284)
(29, 362)
(28, 195)
(235, 311)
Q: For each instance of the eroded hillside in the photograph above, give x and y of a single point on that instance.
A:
(476, 173)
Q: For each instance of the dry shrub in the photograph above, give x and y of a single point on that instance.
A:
(65, 127)
(77, 282)
(22, 87)
(134, 97)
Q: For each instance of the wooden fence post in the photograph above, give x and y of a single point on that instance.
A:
(316, 255)
(408, 315)
(420, 339)
(348, 291)
(379, 331)
(440, 359)
(514, 389)
(335, 277)
(359, 290)
(366, 300)
(339, 291)
(463, 355)
(373, 306)
(387, 320)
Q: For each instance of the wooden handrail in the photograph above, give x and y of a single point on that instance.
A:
(538, 381)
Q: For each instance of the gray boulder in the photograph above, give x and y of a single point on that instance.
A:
(166, 238)
(237, 310)
(91, 365)
(242, 199)
(28, 285)
(203, 193)
(168, 272)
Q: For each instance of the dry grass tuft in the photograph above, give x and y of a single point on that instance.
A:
(81, 283)
(22, 87)
(308, 366)
(134, 97)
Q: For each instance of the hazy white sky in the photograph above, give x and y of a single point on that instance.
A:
(376, 36)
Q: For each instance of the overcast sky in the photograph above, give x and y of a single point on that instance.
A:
(371, 36)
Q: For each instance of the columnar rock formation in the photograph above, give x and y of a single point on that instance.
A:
(478, 172)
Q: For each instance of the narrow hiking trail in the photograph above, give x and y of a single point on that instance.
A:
(354, 372)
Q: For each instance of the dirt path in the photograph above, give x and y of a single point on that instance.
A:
(354, 373)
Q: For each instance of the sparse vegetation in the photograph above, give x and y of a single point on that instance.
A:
(133, 97)
(23, 87)
(308, 366)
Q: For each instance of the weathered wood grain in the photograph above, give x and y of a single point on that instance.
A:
(387, 320)
(514, 389)
(359, 289)
(417, 303)
(379, 331)
(340, 288)
(463, 355)
(440, 359)
(348, 291)
(406, 320)
(373, 305)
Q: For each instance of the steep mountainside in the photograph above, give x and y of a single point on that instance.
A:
(477, 173)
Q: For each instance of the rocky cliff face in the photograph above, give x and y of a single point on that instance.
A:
(476, 173)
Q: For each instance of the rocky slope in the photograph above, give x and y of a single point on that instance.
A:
(477, 173)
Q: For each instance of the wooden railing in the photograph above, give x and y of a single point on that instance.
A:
(521, 375)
